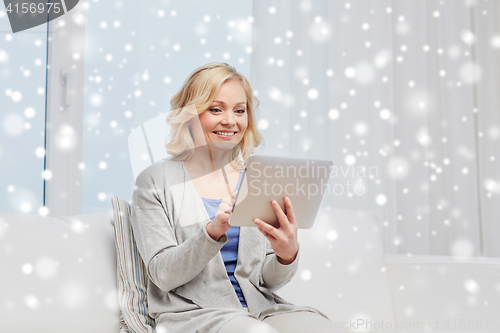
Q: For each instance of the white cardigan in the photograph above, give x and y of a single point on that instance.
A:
(188, 287)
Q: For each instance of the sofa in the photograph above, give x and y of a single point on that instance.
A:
(58, 275)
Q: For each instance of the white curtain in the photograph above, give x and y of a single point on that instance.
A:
(403, 97)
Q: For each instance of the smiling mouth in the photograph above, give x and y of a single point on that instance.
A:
(228, 134)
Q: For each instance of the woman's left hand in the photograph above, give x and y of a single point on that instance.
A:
(283, 239)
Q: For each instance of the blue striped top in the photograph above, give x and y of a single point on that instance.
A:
(229, 251)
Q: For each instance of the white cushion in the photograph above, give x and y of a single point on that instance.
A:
(58, 274)
(445, 293)
(341, 271)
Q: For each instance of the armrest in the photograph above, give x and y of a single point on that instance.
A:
(445, 293)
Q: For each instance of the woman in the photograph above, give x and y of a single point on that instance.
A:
(204, 275)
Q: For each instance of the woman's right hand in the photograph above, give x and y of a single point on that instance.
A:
(219, 225)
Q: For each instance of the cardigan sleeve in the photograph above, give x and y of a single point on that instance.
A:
(274, 274)
(168, 263)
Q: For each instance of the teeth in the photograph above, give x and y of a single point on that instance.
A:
(225, 133)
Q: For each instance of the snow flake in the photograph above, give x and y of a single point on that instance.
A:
(350, 160)
(350, 72)
(397, 168)
(495, 42)
(402, 27)
(40, 152)
(332, 235)
(4, 57)
(360, 128)
(462, 247)
(47, 174)
(468, 37)
(333, 114)
(43, 211)
(275, 94)
(312, 94)
(381, 199)
(385, 114)
(494, 132)
(29, 112)
(65, 137)
(491, 185)
(319, 31)
(16, 96)
(423, 137)
(13, 125)
(305, 275)
(25, 207)
(27, 268)
(470, 72)
(95, 99)
(263, 124)
(31, 301)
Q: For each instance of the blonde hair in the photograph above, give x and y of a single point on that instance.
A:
(200, 89)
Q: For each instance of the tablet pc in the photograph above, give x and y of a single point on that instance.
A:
(269, 178)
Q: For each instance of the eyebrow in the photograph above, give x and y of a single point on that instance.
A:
(221, 102)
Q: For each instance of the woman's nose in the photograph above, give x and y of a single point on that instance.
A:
(228, 118)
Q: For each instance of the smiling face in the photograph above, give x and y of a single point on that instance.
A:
(226, 119)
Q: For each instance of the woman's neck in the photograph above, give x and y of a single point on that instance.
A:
(205, 161)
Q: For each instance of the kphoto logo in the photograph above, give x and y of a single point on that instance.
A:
(24, 14)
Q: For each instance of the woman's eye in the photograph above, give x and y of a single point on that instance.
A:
(215, 110)
(240, 111)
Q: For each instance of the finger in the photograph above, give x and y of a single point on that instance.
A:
(283, 220)
(289, 210)
(266, 229)
(234, 194)
(227, 209)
